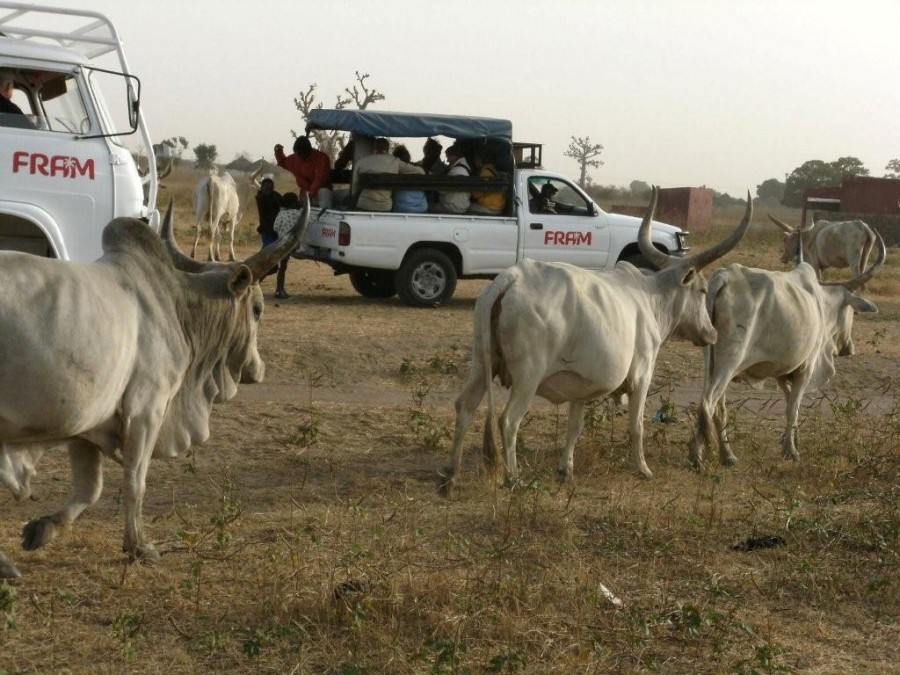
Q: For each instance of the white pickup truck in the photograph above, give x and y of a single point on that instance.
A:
(64, 173)
(420, 256)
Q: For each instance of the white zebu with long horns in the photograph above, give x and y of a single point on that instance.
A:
(571, 335)
(220, 201)
(121, 357)
(825, 244)
(788, 326)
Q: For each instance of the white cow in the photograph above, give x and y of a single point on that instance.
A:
(827, 244)
(571, 335)
(122, 357)
(221, 202)
(783, 325)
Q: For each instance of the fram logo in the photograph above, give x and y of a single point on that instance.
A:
(52, 165)
(566, 238)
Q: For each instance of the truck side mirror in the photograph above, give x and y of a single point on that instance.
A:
(134, 107)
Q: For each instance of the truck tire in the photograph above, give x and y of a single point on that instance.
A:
(371, 283)
(427, 278)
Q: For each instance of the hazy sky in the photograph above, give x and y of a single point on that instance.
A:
(679, 92)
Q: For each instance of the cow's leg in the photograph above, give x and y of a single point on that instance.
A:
(793, 388)
(197, 238)
(637, 400)
(17, 466)
(710, 415)
(137, 450)
(466, 405)
(215, 237)
(511, 417)
(231, 255)
(726, 456)
(85, 461)
(573, 431)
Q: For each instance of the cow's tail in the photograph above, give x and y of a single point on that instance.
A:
(486, 309)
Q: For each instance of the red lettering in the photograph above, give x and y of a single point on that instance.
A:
(329, 232)
(555, 238)
(39, 164)
(87, 169)
(58, 165)
(20, 160)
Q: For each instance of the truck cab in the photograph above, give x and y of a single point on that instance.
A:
(64, 170)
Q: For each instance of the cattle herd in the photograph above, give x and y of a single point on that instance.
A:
(125, 356)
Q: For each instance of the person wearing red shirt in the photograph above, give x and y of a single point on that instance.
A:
(311, 169)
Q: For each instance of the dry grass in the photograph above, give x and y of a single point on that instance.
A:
(308, 536)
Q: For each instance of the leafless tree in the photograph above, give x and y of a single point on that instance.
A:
(360, 95)
(585, 153)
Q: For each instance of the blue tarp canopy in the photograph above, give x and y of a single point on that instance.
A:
(409, 125)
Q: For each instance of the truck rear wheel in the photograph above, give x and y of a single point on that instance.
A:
(372, 283)
(427, 278)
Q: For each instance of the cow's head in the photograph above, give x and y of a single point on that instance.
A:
(237, 284)
(793, 240)
(681, 281)
(845, 303)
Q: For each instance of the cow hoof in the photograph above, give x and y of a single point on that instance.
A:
(445, 484)
(39, 533)
(564, 476)
(7, 569)
(697, 464)
(729, 460)
(146, 554)
(645, 472)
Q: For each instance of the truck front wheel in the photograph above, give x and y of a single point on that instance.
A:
(427, 278)
(374, 283)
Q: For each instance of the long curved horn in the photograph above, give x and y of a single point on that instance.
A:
(179, 259)
(262, 261)
(780, 223)
(859, 280)
(254, 177)
(653, 255)
(704, 258)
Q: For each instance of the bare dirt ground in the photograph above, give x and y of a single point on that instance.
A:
(307, 535)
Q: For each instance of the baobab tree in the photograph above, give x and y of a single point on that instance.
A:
(585, 153)
(359, 95)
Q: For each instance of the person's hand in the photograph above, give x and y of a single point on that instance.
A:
(279, 147)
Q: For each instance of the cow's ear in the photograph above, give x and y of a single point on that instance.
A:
(860, 305)
(240, 280)
(689, 275)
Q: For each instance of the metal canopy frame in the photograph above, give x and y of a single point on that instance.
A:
(91, 34)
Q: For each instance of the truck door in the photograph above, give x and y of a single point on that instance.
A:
(51, 168)
(563, 225)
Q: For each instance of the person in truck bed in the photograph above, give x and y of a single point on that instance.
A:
(456, 201)
(487, 203)
(408, 201)
(381, 162)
